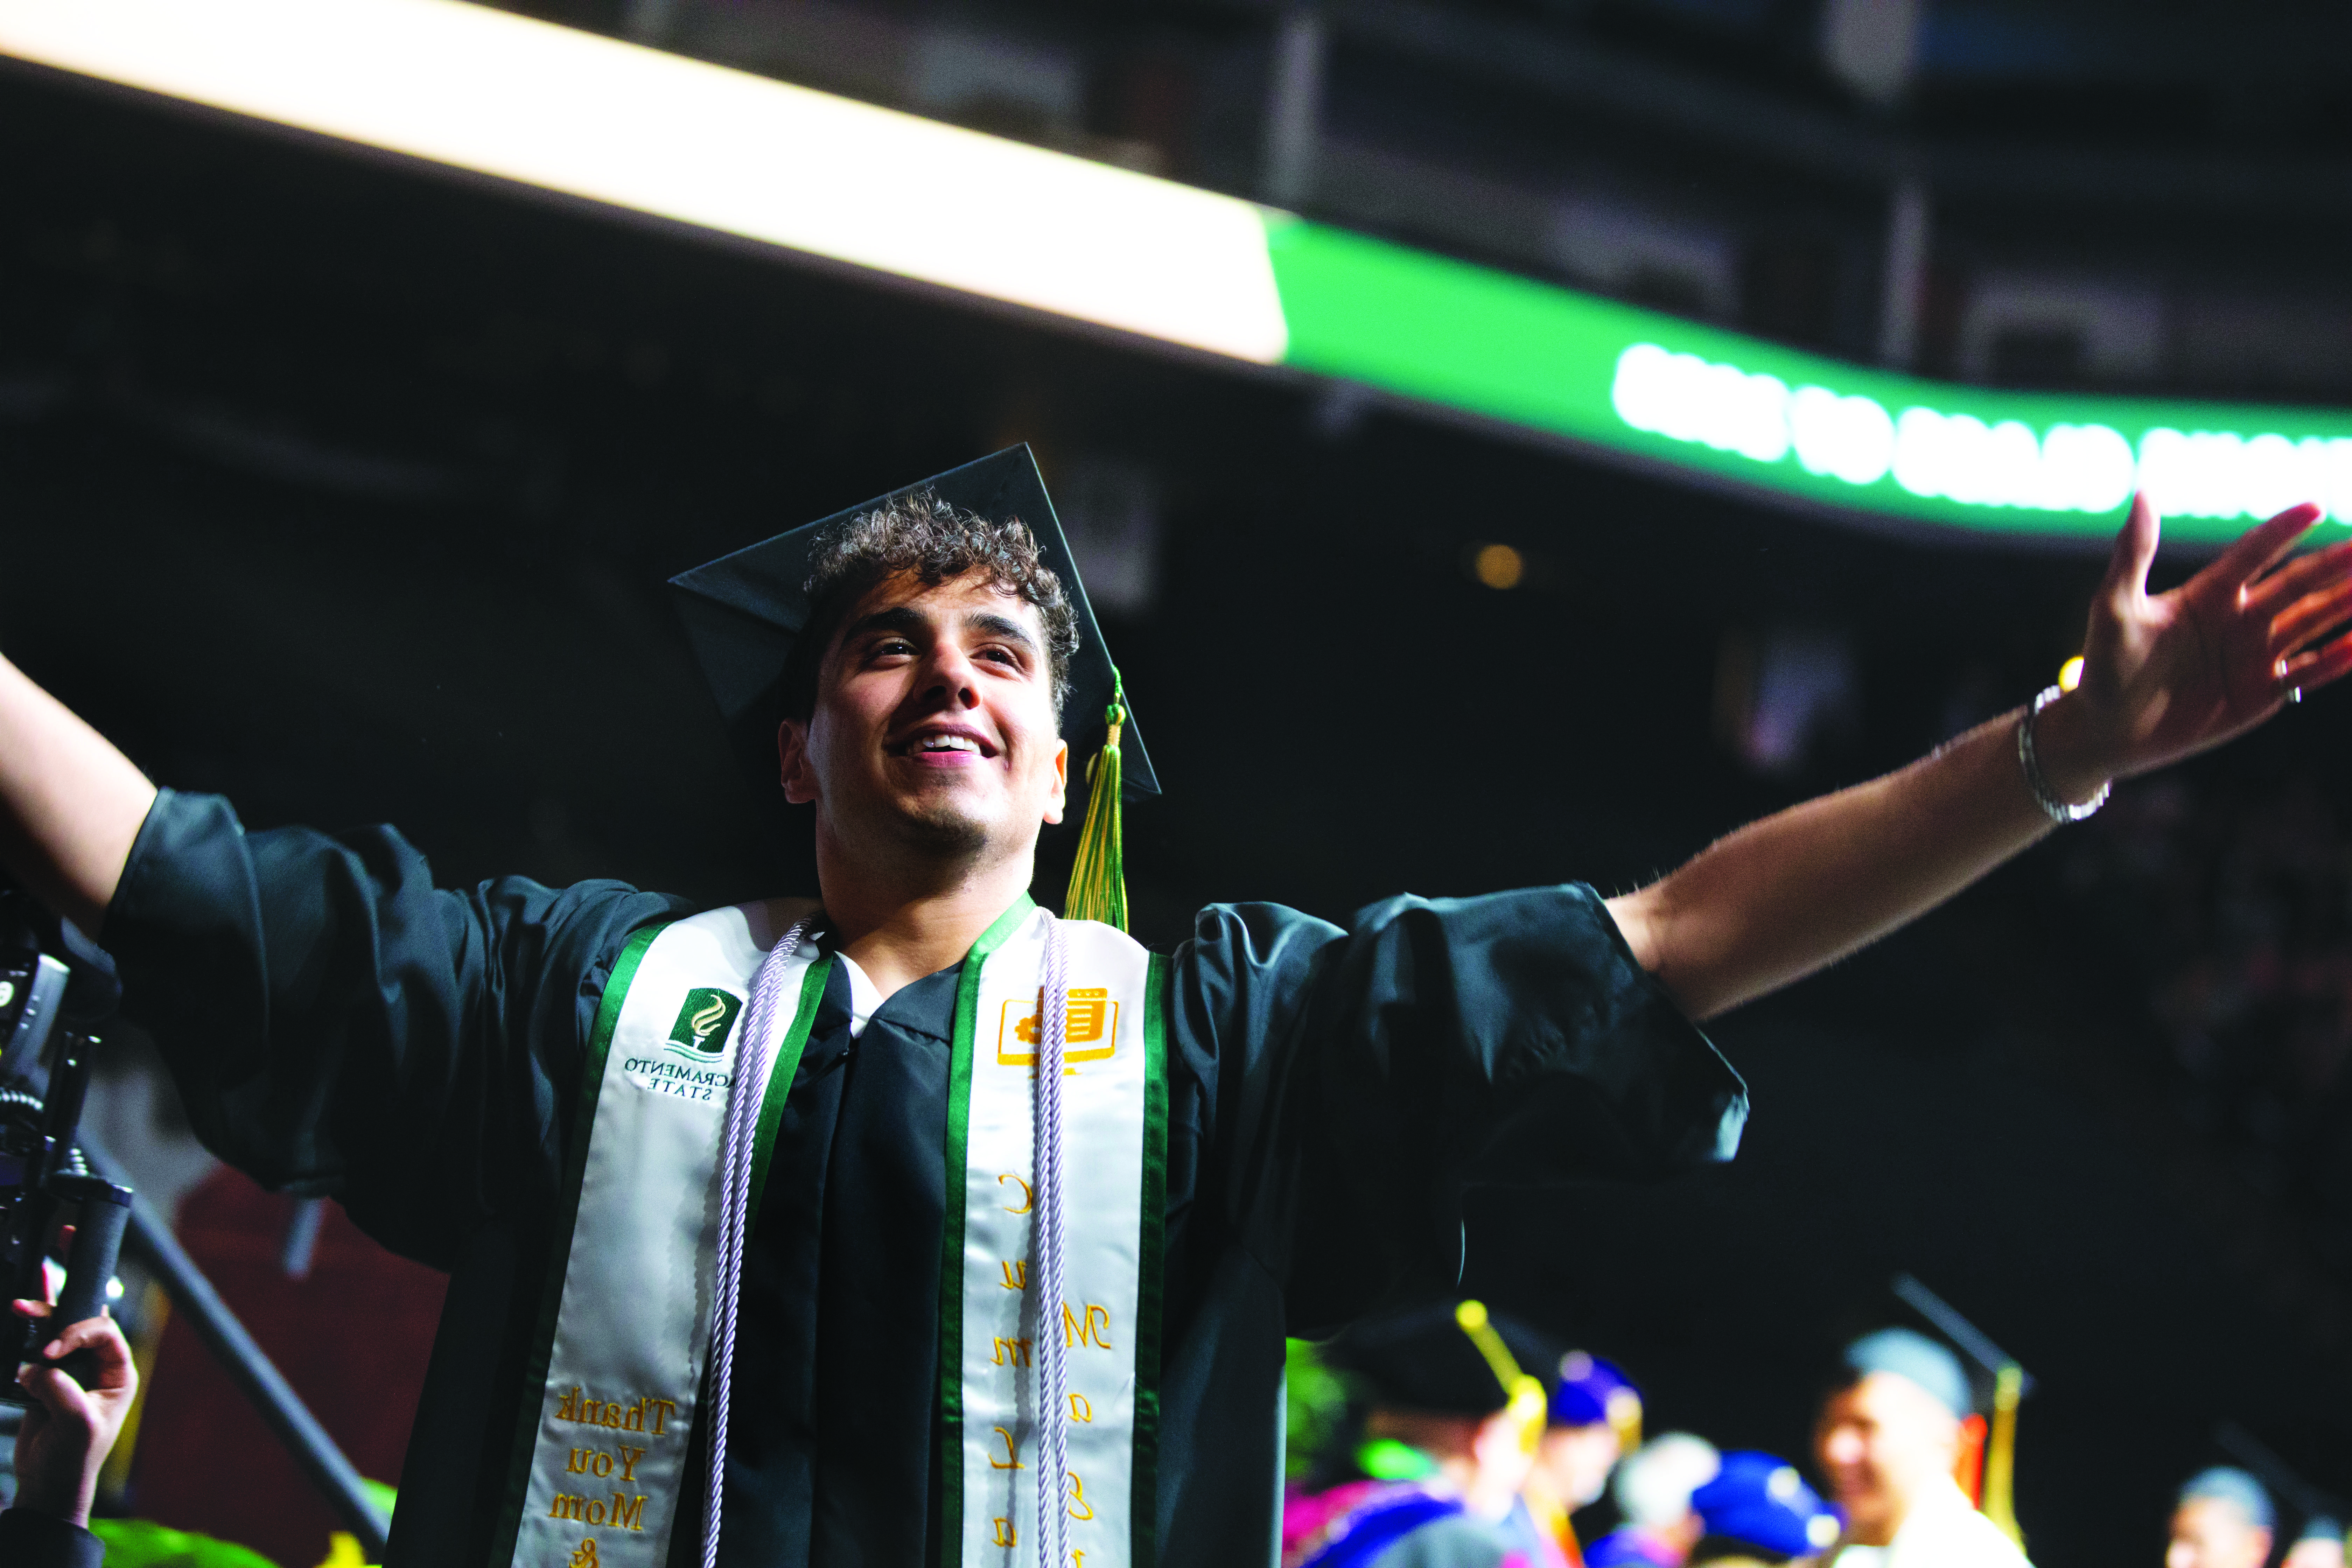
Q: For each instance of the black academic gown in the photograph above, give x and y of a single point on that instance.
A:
(30, 1539)
(338, 1025)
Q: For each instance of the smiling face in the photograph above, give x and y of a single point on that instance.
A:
(2211, 1532)
(932, 739)
(1884, 1442)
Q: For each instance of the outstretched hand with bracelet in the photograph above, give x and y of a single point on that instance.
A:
(2168, 675)
(2165, 676)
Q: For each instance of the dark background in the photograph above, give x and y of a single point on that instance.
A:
(347, 489)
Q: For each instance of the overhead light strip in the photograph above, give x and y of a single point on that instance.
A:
(1685, 395)
(479, 89)
(504, 95)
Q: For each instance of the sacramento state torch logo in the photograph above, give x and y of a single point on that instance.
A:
(703, 1022)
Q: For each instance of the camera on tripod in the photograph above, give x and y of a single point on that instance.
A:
(55, 989)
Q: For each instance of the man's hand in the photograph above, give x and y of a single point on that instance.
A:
(2170, 675)
(68, 1433)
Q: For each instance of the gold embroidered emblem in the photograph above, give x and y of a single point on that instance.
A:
(1094, 1017)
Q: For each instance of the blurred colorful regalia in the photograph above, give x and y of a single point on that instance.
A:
(1632, 1547)
(1352, 1524)
(1757, 1508)
(1595, 1417)
(1654, 1487)
(1448, 1430)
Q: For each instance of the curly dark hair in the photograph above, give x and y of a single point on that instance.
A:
(933, 541)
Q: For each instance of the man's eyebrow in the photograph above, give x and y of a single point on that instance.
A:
(897, 618)
(998, 626)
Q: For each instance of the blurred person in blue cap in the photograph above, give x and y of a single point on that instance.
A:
(2321, 1545)
(1654, 1490)
(1448, 1440)
(1889, 1439)
(1758, 1509)
(2222, 1518)
(1595, 1416)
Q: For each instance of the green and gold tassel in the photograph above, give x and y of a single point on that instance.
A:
(1099, 881)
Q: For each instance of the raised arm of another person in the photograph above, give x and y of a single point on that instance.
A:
(70, 805)
(2163, 676)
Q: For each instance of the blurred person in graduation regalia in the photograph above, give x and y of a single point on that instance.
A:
(1654, 1486)
(1595, 1416)
(2223, 1518)
(2320, 1545)
(1448, 1438)
(1893, 1438)
(819, 1139)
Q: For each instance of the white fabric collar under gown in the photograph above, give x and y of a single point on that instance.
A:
(865, 997)
(1940, 1531)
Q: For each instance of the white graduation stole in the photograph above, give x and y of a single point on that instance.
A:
(1109, 1318)
(599, 1476)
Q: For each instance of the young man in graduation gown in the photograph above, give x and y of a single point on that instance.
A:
(510, 1081)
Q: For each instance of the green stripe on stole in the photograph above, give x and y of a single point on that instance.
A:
(598, 1476)
(593, 1413)
(1108, 1318)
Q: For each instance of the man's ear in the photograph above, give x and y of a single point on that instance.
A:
(794, 771)
(1060, 798)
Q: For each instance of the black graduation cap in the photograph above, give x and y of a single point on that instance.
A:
(1997, 1369)
(1988, 1361)
(744, 612)
(1426, 1358)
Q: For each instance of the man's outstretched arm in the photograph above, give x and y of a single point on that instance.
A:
(70, 805)
(2163, 676)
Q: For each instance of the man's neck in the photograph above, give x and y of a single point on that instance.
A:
(898, 934)
(1926, 1495)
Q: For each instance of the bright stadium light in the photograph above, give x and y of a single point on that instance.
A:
(477, 88)
(527, 101)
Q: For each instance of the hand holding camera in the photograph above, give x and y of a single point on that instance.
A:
(69, 1428)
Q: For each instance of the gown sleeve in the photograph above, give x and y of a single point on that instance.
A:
(1348, 1086)
(338, 1025)
(29, 1540)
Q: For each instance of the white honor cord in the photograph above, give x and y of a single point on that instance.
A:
(754, 1049)
(1053, 1347)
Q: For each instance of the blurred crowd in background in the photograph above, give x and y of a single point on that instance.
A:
(2230, 910)
(1448, 1436)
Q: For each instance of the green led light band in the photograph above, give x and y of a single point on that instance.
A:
(1799, 425)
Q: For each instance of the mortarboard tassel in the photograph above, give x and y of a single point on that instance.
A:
(2000, 1453)
(1099, 881)
(1528, 1400)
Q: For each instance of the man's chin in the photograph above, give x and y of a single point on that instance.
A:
(937, 827)
(1871, 1511)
